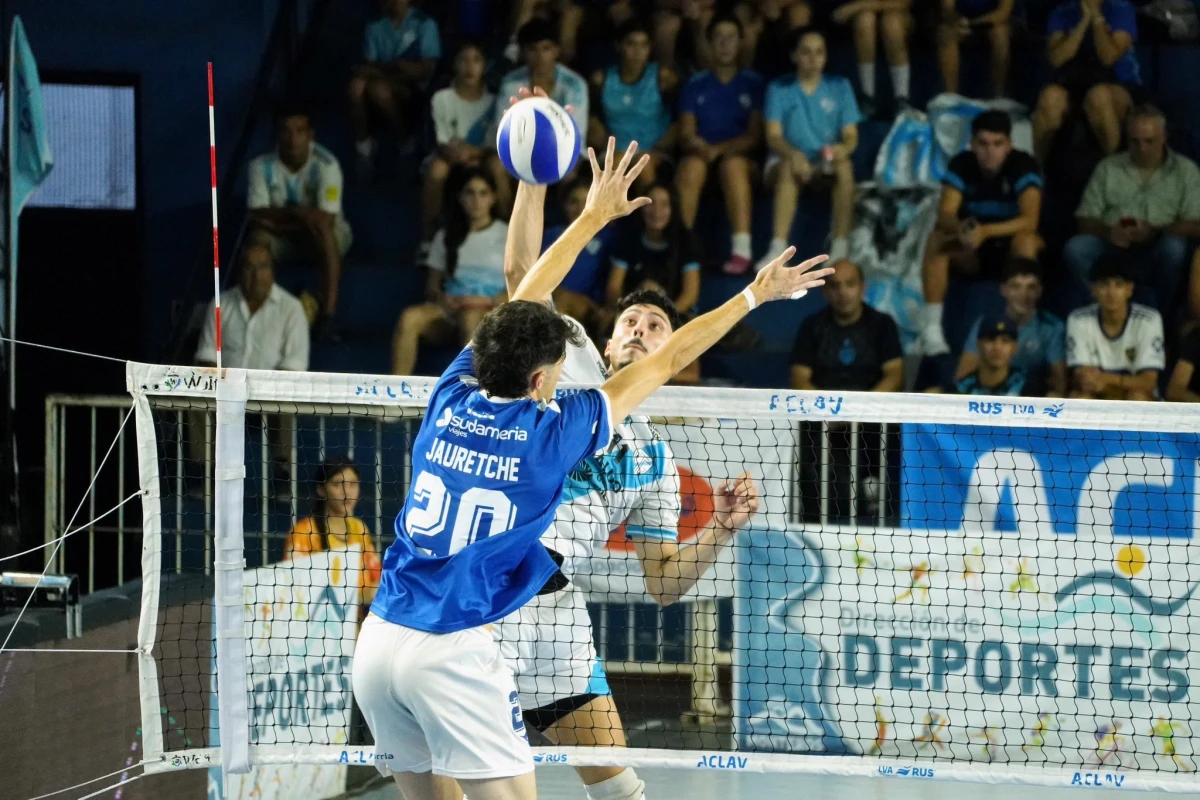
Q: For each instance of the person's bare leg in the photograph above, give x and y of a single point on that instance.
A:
(865, 44)
(1048, 118)
(331, 260)
(999, 36)
(414, 321)
(752, 28)
(414, 785)
(947, 43)
(595, 724)
(689, 183)
(734, 173)
(935, 279)
(894, 26)
(518, 787)
(1102, 116)
(468, 321)
(568, 30)
(356, 96)
(667, 25)
(843, 198)
(382, 96)
(787, 197)
(431, 196)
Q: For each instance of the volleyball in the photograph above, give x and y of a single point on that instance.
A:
(538, 141)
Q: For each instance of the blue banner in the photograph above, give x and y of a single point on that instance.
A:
(29, 157)
(1126, 483)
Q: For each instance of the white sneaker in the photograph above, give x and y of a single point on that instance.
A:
(933, 341)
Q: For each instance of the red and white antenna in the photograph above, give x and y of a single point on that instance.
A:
(212, 161)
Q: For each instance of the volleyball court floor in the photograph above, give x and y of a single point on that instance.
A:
(561, 783)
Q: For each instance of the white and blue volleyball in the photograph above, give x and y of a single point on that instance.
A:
(538, 141)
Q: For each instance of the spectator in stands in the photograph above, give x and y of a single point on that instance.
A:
(657, 252)
(1145, 202)
(848, 345)
(567, 15)
(975, 19)
(1185, 378)
(721, 126)
(1115, 346)
(263, 326)
(1040, 335)
(581, 294)
(462, 113)
(894, 17)
(812, 129)
(632, 101)
(333, 526)
(673, 16)
(295, 203)
(539, 44)
(991, 201)
(400, 52)
(767, 25)
(1090, 46)
(466, 273)
(994, 372)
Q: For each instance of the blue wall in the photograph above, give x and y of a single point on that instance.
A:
(166, 45)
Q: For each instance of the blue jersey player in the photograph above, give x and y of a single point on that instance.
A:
(489, 464)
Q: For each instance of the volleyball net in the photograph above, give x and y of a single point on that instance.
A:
(984, 589)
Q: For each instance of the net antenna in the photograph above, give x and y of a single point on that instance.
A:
(212, 163)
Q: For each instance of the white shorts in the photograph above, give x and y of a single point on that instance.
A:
(548, 646)
(441, 702)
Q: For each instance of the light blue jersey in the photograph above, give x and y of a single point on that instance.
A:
(812, 121)
(570, 89)
(635, 112)
(415, 39)
(488, 475)
(1040, 343)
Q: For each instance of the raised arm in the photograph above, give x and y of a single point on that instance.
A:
(608, 199)
(524, 241)
(629, 387)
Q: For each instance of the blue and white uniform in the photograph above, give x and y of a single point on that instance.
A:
(549, 642)
(487, 477)
(635, 112)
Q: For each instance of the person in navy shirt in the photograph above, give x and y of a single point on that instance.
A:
(812, 129)
(995, 374)
(721, 126)
(489, 464)
(400, 51)
(975, 20)
(991, 200)
(1090, 46)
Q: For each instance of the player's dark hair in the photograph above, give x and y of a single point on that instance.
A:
(719, 19)
(326, 471)
(470, 44)
(795, 37)
(457, 224)
(289, 109)
(679, 240)
(992, 122)
(515, 340)
(649, 297)
(1019, 265)
(629, 27)
(1114, 265)
(535, 31)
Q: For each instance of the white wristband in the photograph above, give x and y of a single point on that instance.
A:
(749, 295)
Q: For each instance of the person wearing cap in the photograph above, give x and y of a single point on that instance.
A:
(995, 373)
(1040, 335)
(1115, 346)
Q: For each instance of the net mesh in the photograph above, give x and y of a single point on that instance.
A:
(996, 585)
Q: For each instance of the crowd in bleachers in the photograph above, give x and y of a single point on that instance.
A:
(734, 102)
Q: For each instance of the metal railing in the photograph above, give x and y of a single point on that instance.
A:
(843, 473)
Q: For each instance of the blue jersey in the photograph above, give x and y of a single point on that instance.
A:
(588, 274)
(488, 475)
(1119, 15)
(722, 110)
(635, 111)
(415, 39)
(812, 121)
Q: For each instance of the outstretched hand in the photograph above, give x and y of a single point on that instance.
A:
(778, 281)
(609, 194)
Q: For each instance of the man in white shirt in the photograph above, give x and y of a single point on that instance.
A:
(263, 326)
(1115, 346)
(295, 204)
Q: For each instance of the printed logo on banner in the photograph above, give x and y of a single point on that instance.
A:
(718, 761)
(821, 405)
(1033, 568)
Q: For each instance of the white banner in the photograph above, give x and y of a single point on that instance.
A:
(301, 625)
(707, 452)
